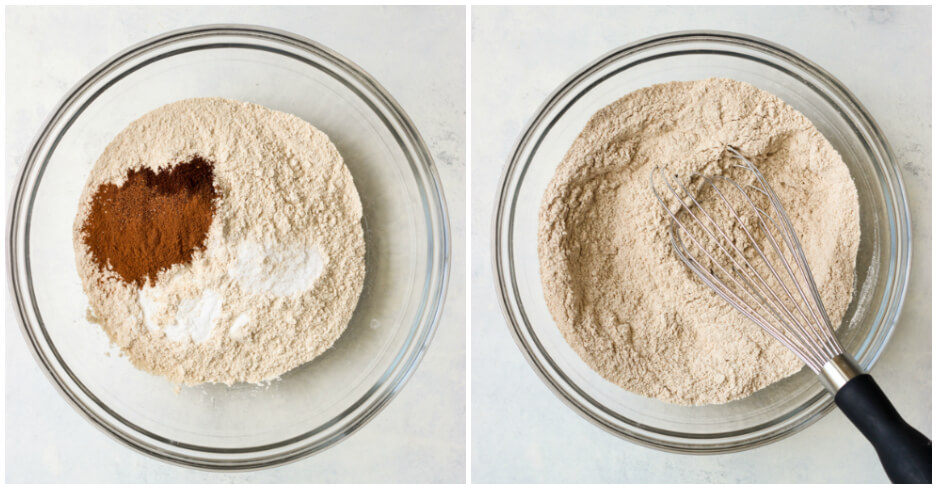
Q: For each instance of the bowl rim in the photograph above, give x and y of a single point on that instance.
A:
(504, 274)
(424, 322)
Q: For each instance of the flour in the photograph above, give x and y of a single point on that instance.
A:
(283, 263)
(619, 295)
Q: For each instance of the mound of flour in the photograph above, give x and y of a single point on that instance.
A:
(618, 293)
(283, 264)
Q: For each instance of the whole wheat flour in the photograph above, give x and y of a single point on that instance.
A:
(618, 293)
(283, 262)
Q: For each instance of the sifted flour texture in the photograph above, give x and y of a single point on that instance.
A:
(617, 291)
(281, 267)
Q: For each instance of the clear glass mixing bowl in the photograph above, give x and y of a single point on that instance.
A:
(406, 231)
(882, 266)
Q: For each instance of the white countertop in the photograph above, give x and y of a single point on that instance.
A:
(521, 432)
(418, 55)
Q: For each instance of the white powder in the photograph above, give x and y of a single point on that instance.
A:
(195, 317)
(237, 327)
(283, 263)
(618, 293)
(280, 271)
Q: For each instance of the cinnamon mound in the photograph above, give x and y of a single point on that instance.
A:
(152, 221)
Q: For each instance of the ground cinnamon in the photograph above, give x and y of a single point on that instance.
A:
(152, 221)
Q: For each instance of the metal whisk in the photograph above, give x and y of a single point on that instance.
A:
(739, 241)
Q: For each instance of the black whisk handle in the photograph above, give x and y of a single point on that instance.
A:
(905, 452)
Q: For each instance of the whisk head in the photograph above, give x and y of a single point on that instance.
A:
(739, 241)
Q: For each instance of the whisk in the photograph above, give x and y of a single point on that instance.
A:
(742, 244)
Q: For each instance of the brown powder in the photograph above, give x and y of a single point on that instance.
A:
(152, 221)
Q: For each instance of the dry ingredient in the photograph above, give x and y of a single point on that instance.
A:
(152, 221)
(239, 282)
(621, 298)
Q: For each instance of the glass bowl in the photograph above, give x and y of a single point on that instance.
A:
(406, 232)
(882, 265)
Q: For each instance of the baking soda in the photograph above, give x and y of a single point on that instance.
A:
(194, 318)
(276, 270)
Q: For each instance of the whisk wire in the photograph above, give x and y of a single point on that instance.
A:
(814, 327)
(752, 314)
(822, 325)
(754, 291)
(795, 317)
(757, 248)
(815, 336)
(809, 337)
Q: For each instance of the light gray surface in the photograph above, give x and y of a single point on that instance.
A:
(418, 55)
(520, 431)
